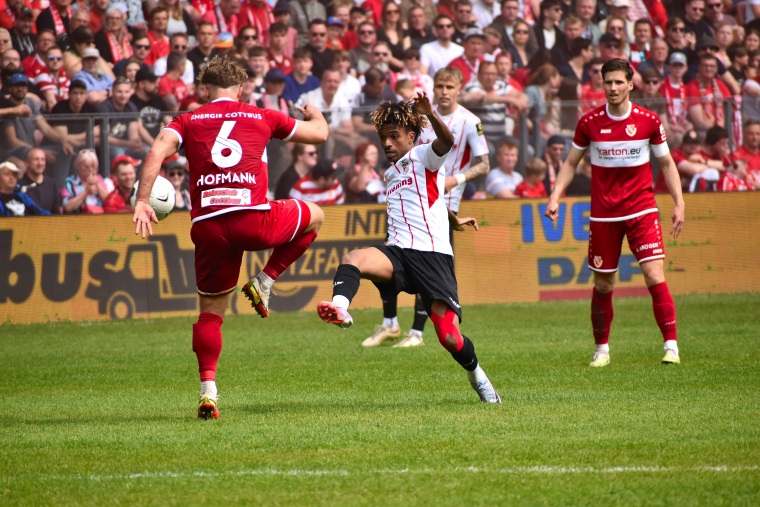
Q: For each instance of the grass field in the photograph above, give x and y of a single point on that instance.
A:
(104, 413)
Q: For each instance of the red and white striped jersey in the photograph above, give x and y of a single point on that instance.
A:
(417, 216)
(621, 181)
(307, 189)
(469, 142)
(225, 142)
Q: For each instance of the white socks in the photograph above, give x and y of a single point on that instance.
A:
(341, 302)
(390, 323)
(476, 375)
(672, 345)
(208, 388)
(418, 334)
(264, 281)
(603, 349)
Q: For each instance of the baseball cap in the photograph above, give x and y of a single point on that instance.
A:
(474, 32)
(678, 57)
(706, 42)
(282, 6)
(20, 78)
(620, 3)
(145, 75)
(225, 40)
(608, 37)
(78, 83)
(121, 159)
(690, 137)
(274, 75)
(26, 12)
(90, 53)
(555, 139)
(11, 167)
(173, 164)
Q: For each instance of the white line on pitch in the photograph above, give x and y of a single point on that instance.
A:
(538, 470)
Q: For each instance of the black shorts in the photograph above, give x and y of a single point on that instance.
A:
(429, 274)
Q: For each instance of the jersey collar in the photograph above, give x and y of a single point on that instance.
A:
(224, 99)
(619, 118)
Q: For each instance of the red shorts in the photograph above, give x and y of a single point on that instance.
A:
(221, 241)
(605, 241)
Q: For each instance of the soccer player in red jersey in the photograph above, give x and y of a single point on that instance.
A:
(225, 142)
(618, 136)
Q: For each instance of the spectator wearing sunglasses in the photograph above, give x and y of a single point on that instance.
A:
(437, 54)
(706, 46)
(245, 42)
(304, 12)
(53, 85)
(321, 55)
(176, 172)
(140, 51)
(178, 43)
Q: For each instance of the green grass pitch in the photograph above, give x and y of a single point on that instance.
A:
(104, 413)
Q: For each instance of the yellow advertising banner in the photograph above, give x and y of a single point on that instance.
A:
(94, 267)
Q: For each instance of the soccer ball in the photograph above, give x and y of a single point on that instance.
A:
(161, 198)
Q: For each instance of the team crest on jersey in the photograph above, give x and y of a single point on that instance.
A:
(479, 128)
(597, 261)
(630, 130)
(405, 165)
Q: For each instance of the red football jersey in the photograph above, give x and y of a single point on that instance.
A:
(621, 181)
(225, 142)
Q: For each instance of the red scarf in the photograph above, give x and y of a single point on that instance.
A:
(676, 106)
(714, 104)
(118, 51)
(59, 26)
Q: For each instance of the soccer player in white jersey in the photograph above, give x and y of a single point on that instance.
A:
(619, 136)
(417, 257)
(467, 160)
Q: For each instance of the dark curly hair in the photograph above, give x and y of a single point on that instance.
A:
(398, 113)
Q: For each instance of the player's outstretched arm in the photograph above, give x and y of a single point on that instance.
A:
(313, 129)
(673, 181)
(444, 138)
(458, 223)
(564, 178)
(165, 145)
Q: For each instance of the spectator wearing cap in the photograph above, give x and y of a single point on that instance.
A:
(301, 80)
(123, 123)
(149, 104)
(706, 96)
(335, 31)
(53, 84)
(225, 43)
(419, 30)
(321, 186)
(85, 190)
(13, 202)
(98, 83)
(124, 173)
(56, 17)
(81, 39)
(225, 17)
(274, 86)
(22, 37)
(706, 46)
(303, 13)
(175, 171)
(112, 40)
(258, 14)
(276, 57)
(37, 63)
(437, 54)
(337, 112)
(76, 131)
(42, 189)
(469, 61)
(283, 15)
(749, 152)
(674, 90)
(178, 43)
(619, 9)
(546, 28)
(19, 133)
(206, 48)
(159, 41)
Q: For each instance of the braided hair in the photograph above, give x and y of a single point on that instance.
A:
(398, 113)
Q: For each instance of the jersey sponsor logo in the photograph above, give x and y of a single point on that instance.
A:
(630, 130)
(406, 182)
(226, 197)
(597, 261)
(618, 152)
(479, 128)
(605, 131)
(648, 246)
(234, 114)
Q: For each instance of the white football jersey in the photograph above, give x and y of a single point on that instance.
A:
(469, 142)
(417, 215)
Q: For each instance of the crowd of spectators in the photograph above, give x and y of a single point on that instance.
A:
(76, 76)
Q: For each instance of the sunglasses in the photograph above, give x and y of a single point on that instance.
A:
(55, 58)
(441, 27)
(175, 173)
(180, 48)
(250, 37)
(142, 46)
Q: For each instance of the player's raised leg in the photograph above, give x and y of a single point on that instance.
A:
(664, 308)
(207, 345)
(461, 348)
(601, 317)
(369, 263)
(258, 289)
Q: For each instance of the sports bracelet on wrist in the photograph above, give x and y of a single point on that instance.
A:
(460, 178)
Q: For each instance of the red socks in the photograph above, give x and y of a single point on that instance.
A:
(664, 310)
(285, 255)
(207, 344)
(601, 316)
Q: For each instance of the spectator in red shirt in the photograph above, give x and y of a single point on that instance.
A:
(258, 14)
(533, 184)
(749, 153)
(124, 173)
(276, 56)
(225, 17)
(592, 93)
(159, 42)
(469, 61)
(37, 63)
(53, 84)
(321, 186)
(706, 95)
(171, 87)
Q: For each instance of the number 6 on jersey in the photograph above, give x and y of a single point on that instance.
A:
(223, 141)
